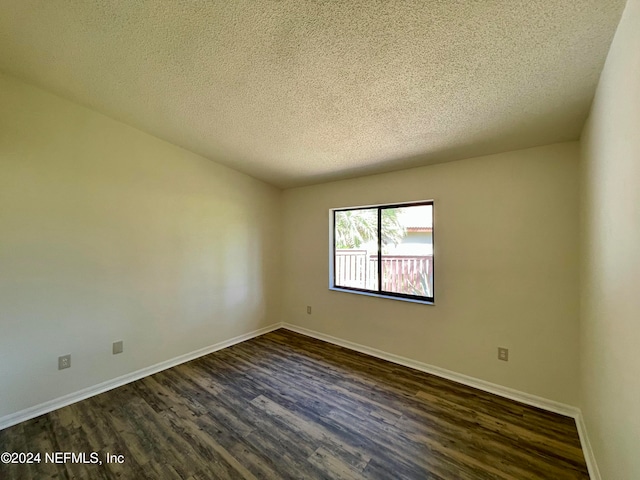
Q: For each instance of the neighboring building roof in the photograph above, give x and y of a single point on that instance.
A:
(417, 219)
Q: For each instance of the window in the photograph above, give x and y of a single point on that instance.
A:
(384, 250)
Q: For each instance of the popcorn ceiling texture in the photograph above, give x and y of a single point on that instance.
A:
(297, 92)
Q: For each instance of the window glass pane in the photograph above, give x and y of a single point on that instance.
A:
(356, 248)
(407, 250)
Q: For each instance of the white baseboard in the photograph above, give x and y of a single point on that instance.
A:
(529, 399)
(523, 397)
(587, 450)
(56, 403)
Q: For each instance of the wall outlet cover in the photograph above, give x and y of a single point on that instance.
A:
(64, 362)
(118, 347)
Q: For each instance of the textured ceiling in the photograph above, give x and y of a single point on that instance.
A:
(296, 92)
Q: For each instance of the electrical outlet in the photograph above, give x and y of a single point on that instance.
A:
(503, 354)
(64, 362)
(117, 347)
(309, 310)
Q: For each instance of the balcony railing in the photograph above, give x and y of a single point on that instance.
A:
(408, 274)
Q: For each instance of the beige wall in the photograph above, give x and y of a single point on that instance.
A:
(610, 293)
(107, 233)
(506, 231)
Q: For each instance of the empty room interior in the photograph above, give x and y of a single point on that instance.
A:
(320, 239)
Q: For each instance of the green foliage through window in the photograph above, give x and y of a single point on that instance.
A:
(356, 227)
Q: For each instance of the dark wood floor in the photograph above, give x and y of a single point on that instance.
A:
(287, 406)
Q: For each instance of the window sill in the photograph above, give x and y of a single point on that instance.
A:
(380, 295)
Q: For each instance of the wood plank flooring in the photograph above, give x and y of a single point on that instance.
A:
(285, 406)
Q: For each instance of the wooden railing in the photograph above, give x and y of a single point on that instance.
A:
(409, 274)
